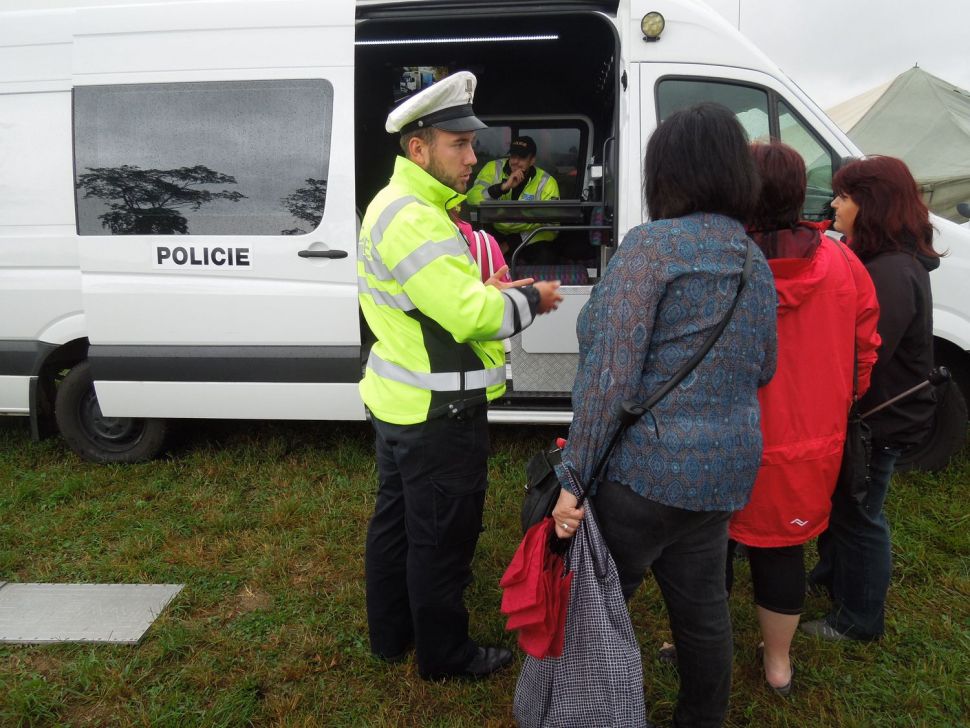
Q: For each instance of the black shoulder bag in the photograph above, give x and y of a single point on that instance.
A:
(542, 490)
(853, 480)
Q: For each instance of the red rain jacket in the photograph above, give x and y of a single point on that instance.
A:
(824, 301)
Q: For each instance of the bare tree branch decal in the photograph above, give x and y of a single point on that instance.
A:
(147, 201)
(306, 204)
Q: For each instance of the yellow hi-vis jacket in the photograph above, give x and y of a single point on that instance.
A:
(439, 329)
(542, 186)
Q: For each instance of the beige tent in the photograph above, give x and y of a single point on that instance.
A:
(848, 113)
(924, 121)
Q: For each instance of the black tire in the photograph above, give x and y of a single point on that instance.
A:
(946, 437)
(97, 438)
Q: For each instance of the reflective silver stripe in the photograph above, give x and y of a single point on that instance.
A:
(521, 302)
(399, 301)
(384, 219)
(377, 268)
(438, 382)
(481, 182)
(498, 170)
(515, 300)
(508, 321)
(426, 253)
(484, 378)
(542, 185)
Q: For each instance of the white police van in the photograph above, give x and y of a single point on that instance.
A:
(180, 186)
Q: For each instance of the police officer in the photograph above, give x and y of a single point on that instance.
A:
(516, 177)
(437, 361)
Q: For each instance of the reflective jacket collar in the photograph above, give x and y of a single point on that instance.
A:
(424, 186)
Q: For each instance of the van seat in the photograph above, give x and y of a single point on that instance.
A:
(570, 274)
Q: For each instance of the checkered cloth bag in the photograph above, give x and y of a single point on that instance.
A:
(598, 681)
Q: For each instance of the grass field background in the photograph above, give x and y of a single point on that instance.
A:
(264, 523)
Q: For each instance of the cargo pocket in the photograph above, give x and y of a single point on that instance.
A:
(459, 502)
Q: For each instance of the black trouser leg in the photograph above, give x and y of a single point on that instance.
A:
(686, 550)
(385, 561)
(422, 537)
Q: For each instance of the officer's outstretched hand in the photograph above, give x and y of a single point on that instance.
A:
(549, 295)
(497, 276)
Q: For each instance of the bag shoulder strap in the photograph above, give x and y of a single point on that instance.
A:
(699, 355)
(488, 248)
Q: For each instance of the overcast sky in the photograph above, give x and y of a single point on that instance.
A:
(835, 50)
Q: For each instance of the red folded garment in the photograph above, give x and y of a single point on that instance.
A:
(537, 593)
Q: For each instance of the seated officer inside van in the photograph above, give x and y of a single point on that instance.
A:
(516, 178)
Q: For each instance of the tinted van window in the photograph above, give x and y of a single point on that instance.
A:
(558, 151)
(751, 105)
(225, 158)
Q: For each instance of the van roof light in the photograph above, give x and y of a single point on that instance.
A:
(479, 39)
(652, 26)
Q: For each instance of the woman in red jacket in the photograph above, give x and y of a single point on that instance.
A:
(827, 313)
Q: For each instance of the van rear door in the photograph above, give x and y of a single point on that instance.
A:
(215, 207)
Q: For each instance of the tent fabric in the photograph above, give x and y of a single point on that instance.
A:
(925, 121)
(848, 113)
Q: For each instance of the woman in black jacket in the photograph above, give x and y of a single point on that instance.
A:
(879, 208)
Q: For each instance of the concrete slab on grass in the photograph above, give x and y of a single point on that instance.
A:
(116, 613)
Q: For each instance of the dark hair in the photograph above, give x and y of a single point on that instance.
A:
(892, 214)
(426, 134)
(783, 183)
(698, 160)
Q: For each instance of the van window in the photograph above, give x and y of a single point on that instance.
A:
(752, 105)
(818, 162)
(557, 151)
(225, 158)
(748, 103)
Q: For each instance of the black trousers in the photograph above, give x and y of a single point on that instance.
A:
(422, 537)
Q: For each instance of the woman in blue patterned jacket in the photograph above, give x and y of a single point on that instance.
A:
(676, 477)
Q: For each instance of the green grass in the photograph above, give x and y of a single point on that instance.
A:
(264, 523)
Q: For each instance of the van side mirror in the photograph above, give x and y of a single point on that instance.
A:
(842, 162)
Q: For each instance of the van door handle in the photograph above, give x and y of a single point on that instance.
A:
(322, 253)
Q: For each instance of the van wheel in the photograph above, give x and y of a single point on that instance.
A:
(946, 436)
(97, 438)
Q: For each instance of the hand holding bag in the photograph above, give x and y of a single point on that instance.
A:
(542, 488)
(598, 681)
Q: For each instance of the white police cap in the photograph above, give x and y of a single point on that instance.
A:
(445, 105)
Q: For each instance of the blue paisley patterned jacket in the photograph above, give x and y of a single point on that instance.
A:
(668, 285)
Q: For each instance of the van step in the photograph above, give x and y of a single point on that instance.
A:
(534, 400)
